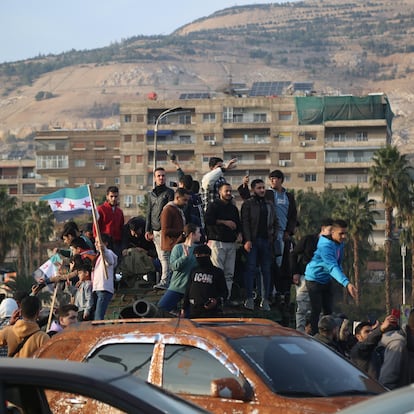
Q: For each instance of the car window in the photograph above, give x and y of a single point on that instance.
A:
(131, 357)
(189, 370)
(302, 367)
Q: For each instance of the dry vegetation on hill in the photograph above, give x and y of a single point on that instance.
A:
(343, 47)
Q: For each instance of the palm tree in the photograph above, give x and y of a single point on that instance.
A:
(356, 209)
(10, 223)
(390, 175)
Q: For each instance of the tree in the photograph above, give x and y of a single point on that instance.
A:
(390, 176)
(356, 209)
(10, 223)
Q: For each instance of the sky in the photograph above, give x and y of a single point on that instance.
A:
(32, 27)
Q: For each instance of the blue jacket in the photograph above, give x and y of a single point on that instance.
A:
(326, 263)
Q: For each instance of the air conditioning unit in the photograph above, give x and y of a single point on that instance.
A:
(127, 205)
(96, 185)
(282, 163)
(102, 167)
(141, 187)
(303, 144)
(212, 143)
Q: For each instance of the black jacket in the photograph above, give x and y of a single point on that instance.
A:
(302, 253)
(219, 210)
(157, 199)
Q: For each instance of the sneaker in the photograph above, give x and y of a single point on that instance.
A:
(264, 305)
(249, 304)
(162, 285)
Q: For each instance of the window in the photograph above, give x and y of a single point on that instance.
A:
(140, 138)
(139, 118)
(100, 164)
(310, 178)
(127, 118)
(127, 138)
(190, 370)
(284, 156)
(361, 136)
(127, 159)
(185, 139)
(78, 146)
(260, 157)
(140, 179)
(259, 117)
(139, 159)
(80, 163)
(310, 136)
(285, 136)
(127, 179)
(209, 138)
(310, 155)
(209, 117)
(99, 145)
(285, 115)
(184, 119)
(133, 358)
(52, 162)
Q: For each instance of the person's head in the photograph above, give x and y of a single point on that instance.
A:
(159, 176)
(30, 307)
(112, 194)
(195, 187)
(362, 330)
(215, 162)
(186, 181)
(326, 227)
(136, 226)
(202, 254)
(308, 325)
(276, 178)
(258, 187)
(78, 245)
(68, 235)
(84, 271)
(67, 315)
(181, 197)
(192, 233)
(339, 230)
(71, 225)
(224, 191)
(7, 307)
(327, 326)
(19, 295)
(87, 230)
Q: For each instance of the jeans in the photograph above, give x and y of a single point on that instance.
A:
(102, 299)
(320, 296)
(260, 256)
(164, 258)
(170, 300)
(223, 255)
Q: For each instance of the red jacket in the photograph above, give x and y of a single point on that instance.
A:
(111, 221)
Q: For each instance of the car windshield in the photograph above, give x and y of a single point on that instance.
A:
(297, 366)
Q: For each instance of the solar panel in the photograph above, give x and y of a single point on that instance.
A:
(268, 88)
(195, 95)
(302, 86)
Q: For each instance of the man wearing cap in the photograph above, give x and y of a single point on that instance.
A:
(327, 333)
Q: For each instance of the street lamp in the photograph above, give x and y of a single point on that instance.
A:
(403, 254)
(160, 117)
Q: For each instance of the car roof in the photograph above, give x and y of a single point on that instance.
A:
(100, 382)
(224, 327)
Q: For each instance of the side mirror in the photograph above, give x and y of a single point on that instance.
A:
(229, 388)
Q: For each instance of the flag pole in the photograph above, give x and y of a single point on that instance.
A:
(97, 231)
(49, 321)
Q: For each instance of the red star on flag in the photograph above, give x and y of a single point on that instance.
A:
(58, 204)
(87, 203)
(71, 205)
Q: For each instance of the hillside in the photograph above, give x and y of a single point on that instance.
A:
(343, 47)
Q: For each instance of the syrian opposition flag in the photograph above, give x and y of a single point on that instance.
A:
(69, 202)
(48, 268)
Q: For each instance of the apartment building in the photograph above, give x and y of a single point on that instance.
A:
(317, 141)
(70, 158)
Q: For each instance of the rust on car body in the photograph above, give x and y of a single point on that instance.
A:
(243, 385)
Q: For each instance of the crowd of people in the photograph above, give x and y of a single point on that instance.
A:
(189, 246)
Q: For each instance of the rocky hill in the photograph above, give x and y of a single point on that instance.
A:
(344, 47)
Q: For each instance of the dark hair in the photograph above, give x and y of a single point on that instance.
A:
(85, 266)
(77, 260)
(80, 243)
(181, 192)
(213, 161)
(187, 181)
(277, 174)
(195, 187)
(222, 184)
(69, 225)
(64, 310)
(87, 227)
(106, 238)
(188, 229)
(136, 223)
(360, 326)
(338, 223)
(19, 295)
(202, 249)
(70, 231)
(325, 222)
(112, 189)
(255, 182)
(159, 169)
(30, 306)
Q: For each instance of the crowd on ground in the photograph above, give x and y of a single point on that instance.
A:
(189, 246)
